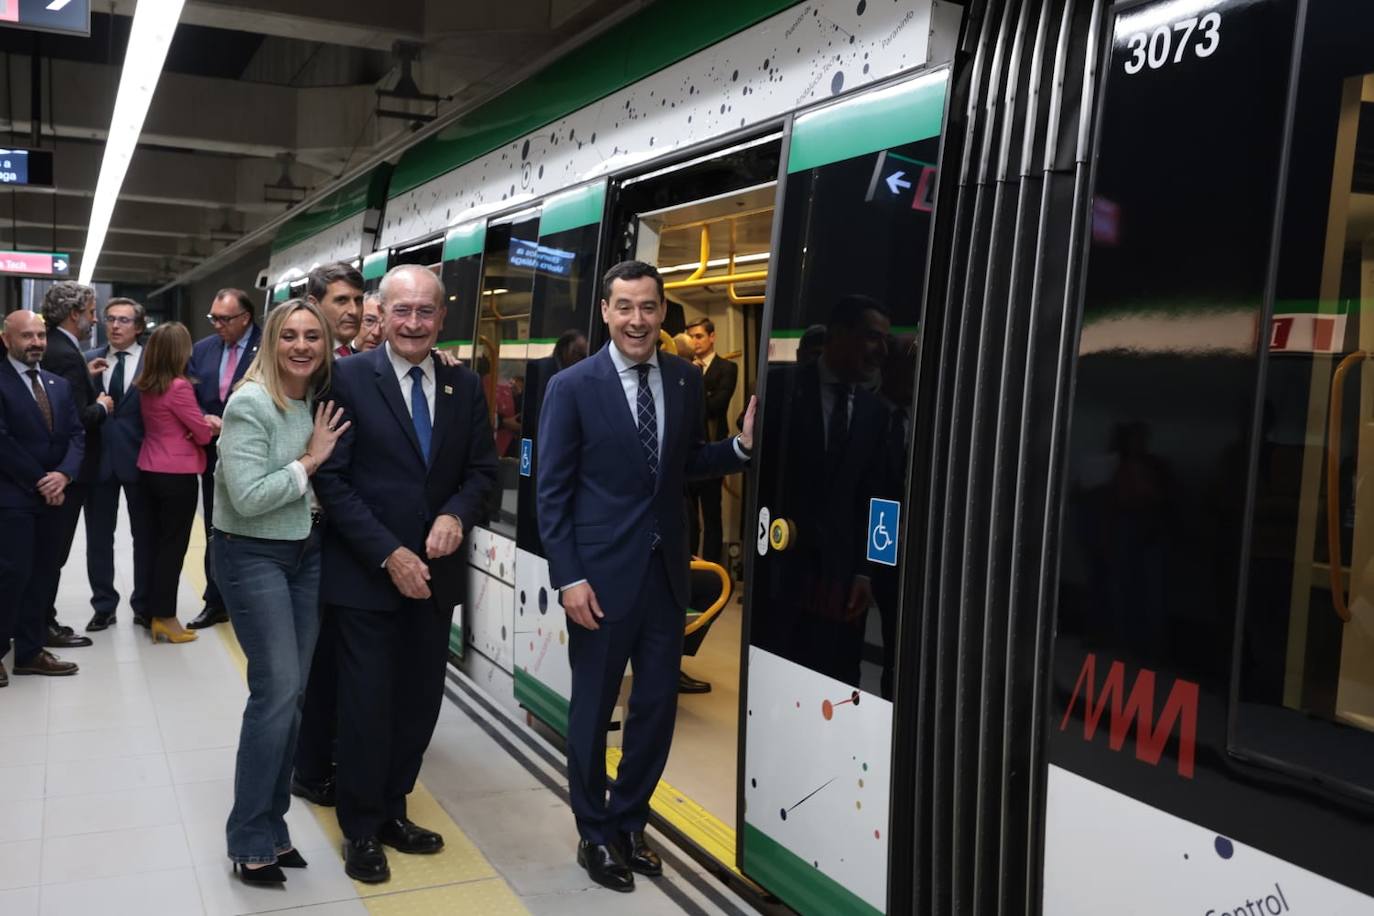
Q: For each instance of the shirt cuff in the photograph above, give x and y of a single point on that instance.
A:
(564, 588)
(739, 449)
(302, 479)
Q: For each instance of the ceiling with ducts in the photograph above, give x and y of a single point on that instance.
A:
(261, 104)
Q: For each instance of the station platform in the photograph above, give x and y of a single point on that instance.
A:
(116, 783)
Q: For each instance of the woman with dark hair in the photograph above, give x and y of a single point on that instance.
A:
(170, 462)
(266, 557)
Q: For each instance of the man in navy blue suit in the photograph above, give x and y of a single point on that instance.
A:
(620, 434)
(404, 485)
(116, 469)
(41, 446)
(217, 364)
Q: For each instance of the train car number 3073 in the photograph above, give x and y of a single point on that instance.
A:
(1153, 49)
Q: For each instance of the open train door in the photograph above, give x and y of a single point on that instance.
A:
(856, 202)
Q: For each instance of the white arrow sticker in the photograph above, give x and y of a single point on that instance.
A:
(895, 182)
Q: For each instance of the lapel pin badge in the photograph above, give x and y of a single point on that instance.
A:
(681, 382)
(448, 389)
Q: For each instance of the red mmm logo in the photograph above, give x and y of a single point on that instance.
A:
(1137, 708)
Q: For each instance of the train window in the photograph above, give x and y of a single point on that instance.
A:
(1306, 648)
(462, 276)
(502, 345)
(838, 394)
(565, 288)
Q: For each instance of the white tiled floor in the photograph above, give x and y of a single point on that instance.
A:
(116, 783)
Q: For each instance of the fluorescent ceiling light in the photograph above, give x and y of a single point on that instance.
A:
(717, 262)
(155, 21)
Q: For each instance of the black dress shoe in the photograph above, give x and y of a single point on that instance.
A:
(639, 856)
(141, 621)
(292, 858)
(264, 874)
(604, 866)
(46, 664)
(321, 793)
(365, 861)
(100, 622)
(687, 684)
(4, 678)
(403, 835)
(209, 617)
(57, 639)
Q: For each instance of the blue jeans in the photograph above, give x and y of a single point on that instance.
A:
(272, 592)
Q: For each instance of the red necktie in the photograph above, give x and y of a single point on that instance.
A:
(343, 350)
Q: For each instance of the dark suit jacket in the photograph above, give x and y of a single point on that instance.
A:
(27, 449)
(204, 368)
(719, 381)
(597, 501)
(62, 358)
(122, 434)
(377, 492)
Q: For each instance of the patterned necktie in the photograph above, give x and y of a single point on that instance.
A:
(343, 350)
(647, 418)
(117, 377)
(41, 396)
(419, 410)
(226, 378)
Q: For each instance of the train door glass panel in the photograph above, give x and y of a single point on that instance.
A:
(1306, 652)
(462, 276)
(565, 288)
(502, 344)
(830, 470)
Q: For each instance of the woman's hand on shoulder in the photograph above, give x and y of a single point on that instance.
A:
(329, 427)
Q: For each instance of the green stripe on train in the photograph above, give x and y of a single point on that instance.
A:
(573, 209)
(869, 122)
(541, 700)
(455, 640)
(801, 885)
(465, 241)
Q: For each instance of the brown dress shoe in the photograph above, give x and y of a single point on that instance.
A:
(47, 664)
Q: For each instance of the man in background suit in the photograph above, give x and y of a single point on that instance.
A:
(69, 312)
(719, 378)
(116, 464)
(217, 363)
(403, 487)
(338, 290)
(41, 444)
(620, 434)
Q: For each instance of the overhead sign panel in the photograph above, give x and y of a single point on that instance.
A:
(70, 17)
(35, 264)
(25, 166)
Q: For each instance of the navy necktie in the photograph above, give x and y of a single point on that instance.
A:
(647, 418)
(419, 410)
(117, 377)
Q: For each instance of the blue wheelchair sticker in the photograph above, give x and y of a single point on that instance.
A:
(883, 518)
(526, 456)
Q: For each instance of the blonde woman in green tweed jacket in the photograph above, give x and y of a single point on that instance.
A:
(266, 556)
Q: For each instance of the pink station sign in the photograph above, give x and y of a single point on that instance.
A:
(34, 263)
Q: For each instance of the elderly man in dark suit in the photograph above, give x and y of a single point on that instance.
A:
(41, 446)
(619, 436)
(217, 363)
(116, 463)
(403, 487)
(69, 312)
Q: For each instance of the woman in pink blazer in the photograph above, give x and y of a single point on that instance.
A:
(170, 463)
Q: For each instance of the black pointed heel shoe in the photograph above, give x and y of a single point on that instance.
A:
(292, 858)
(259, 877)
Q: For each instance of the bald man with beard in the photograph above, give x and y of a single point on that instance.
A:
(41, 447)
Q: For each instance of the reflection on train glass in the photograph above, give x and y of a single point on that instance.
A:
(839, 391)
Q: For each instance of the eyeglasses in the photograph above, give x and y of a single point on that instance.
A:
(121, 320)
(218, 320)
(371, 321)
(424, 312)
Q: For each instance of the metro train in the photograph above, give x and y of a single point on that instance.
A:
(1075, 612)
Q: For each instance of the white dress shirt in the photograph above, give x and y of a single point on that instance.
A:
(23, 375)
(629, 380)
(402, 367)
(135, 351)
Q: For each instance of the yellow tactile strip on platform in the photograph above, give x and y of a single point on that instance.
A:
(701, 826)
(457, 879)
